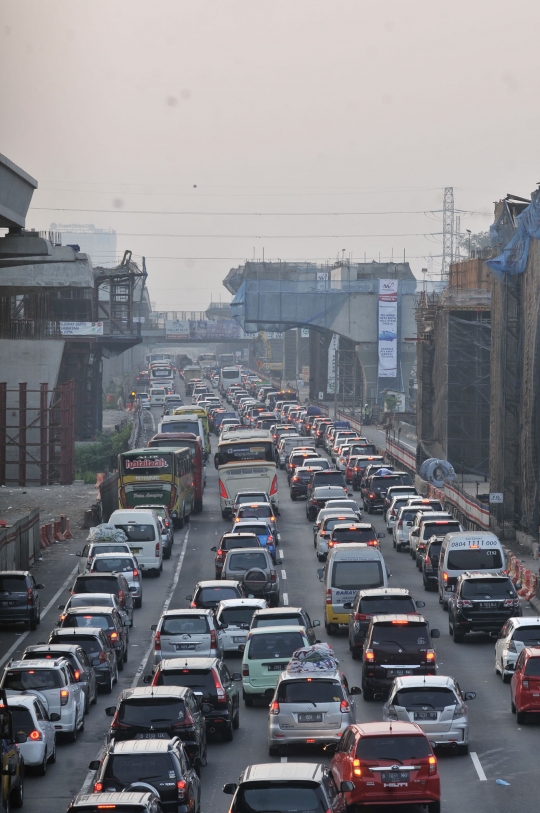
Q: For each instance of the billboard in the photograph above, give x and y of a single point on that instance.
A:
(387, 328)
(177, 329)
(333, 349)
(81, 328)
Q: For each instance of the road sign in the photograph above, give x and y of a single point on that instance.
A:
(321, 396)
(496, 497)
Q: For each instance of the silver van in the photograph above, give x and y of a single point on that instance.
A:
(310, 707)
(186, 632)
(233, 617)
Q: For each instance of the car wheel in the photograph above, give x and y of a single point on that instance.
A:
(71, 736)
(121, 664)
(227, 733)
(248, 700)
(521, 717)
(367, 693)
(293, 497)
(94, 699)
(126, 653)
(17, 795)
(394, 543)
(463, 750)
(356, 655)
(224, 515)
(369, 508)
(41, 770)
(32, 624)
(52, 758)
(505, 678)
(321, 557)
(86, 704)
(434, 807)
(331, 629)
(109, 685)
(167, 553)
(236, 718)
(457, 636)
(273, 750)
(138, 603)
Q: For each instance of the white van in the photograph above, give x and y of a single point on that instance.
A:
(229, 376)
(349, 568)
(182, 423)
(479, 551)
(157, 396)
(143, 532)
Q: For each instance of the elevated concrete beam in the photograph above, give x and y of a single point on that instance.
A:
(16, 190)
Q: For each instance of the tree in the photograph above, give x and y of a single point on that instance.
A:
(478, 241)
(391, 403)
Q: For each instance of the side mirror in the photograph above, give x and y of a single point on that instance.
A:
(20, 738)
(241, 647)
(389, 575)
(237, 676)
(316, 623)
(223, 625)
(153, 627)
(348, 605)
(40, 586)
(320, 574)
(95, 765)
(215, 461)
(214, 548)
(189, 598)
(420, 603)
(315, 528)
(470, 695)
(127, 622)
(54, 717)
(61, 606)
(79, 553)
(207, 708)
(147, 679)
(435, 634)
(229, 788)
(381, 536)
(510, 667)
(96, 662)
(346, 787)
(355, 690)
(200, 762)
(110, 711)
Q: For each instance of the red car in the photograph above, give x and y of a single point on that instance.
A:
(389, 763)
(525, 685)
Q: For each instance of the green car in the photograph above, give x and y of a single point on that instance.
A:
(267, 652)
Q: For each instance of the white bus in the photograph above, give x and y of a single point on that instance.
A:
(245, 462)
(229, 376)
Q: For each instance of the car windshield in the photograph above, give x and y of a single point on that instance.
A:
(110, 565)
(211, 596)
(149, 712)
(92, 584)
(475, 559)
(312, 691)
(357, 575)
(379, 605)
(200, 681)
(22, 720)
(138, 533)
(274, 645)
(399, 749)
(245, 561)
(400, 635)
(20, 680)
(533, 667)
(104, 622)
(285, 797)
(353, 535)
(255, 511)
(438, 528)
(260, 530)
(12, 584)
(128, 768)
(436, 699)
(237, 615)
(482, 588)
(187, 624)
(91, 645)
(530, 636)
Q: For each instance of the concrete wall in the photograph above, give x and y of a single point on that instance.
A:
(23, 360)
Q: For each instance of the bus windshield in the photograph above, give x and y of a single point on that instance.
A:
(239, 451)
(145, 465)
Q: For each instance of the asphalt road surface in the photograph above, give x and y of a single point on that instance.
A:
(499, 748)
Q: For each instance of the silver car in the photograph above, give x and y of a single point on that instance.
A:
(310, 707)
(516, 634)
(186, 632)
(122, 563)
(436, 704)
(322, 531)
(233, 617)
(255, 568)
(92, 548)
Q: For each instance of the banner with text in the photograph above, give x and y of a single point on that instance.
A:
(333, 371)
(387, 332)
(81, 328)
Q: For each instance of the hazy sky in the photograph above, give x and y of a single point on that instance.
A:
(219, 112)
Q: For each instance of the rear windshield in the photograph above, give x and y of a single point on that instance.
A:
(394, 749)
(239, 542)
(260, 530)
(328, 478)
(237, 615)
(20, 680)
(257, 511)
(102, 621)
(433, 698)
(138, 533)
(12, 584)
(143, 767)
(91, 645)
(180, 426)
(50, 656)
(22, 720)
(251, 497)
(274, 645)
(435, 548)
(96, 585)
(379, 605)
(288, 797)
(200, 681)
(281, 620)
(383, 483)
(313, 691)
(480, 588)
(353, 535)
(103, 548)
(438, 528)
(245, 561)
(113, 565)
(210, 596)
(477, 559)
(357, 575)
(186, 624)
(400, 635)
(322, 493)
(530, 636)
(533, 667)
(149, 711)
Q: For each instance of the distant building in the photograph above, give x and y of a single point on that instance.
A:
(99, 244)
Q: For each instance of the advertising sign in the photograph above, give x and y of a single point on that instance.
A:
(332, 361)
(81, 328)
(177, 329)
(387, 328)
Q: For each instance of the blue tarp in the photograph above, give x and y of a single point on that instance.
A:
(513, 259)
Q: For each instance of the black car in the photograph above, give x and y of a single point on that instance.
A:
(115, 583)
(299, 482)
(228, 542)
(376, 486)
(296, 459)
(327, 477)
(320, 496)
(19, 598)
(430, 563)
(132, 802)
(208, 594)
(396, 646)
(159, 712)
(211, 683)
(376, 601)
(362, 463)
(161, 765)
(108, 619)
(481, 602)
(97, 646)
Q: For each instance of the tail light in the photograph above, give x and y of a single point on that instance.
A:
(135, 574)
(459, 712)
(372, 496)
(273, 489)
(329, 596)
(344, 707)
(430, 656)
(274, 707)
(324, 535)
(400, 524)
(181, 786)
(373, 543)
(30, 599)
(77, 674)
(222, 490)
(187, 722)
(219, 690)
(157, 641)
(357, 771)
(295, 479)
(64, 697)
(427, 561)
(115, 724)
(220, 554)
(445, 577)
(35, 735)
(98, 787)
(102, 657)
(213, 639)
(273, 576)
(465, 602)
(245, 670)
(369, 655)
(113, 636)
(432, 761)
(157, 550)
(361, 617)
(332, 544)
(121, 598)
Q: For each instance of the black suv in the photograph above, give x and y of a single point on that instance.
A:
(362, 462)
(481, 603)
(376, 601)
(159, 712)
(211, 681)
(160, 765)
(430, 563)
(326, 477)
(108, 619)
(376, 486)
(228, 542)
(396, 646)
(19, 598)
(300, 480)
(318, 498)
(114, 583)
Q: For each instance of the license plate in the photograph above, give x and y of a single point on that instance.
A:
(488, 605)
(398, 672)
(8, 603)
(153, 735)
(395, 776)
(180, 647)
(239, 639)
(136, 550)
(310, 718)
(425, 715)
(276, 667)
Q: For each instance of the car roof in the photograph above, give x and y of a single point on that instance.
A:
(399, 617)
(51, 648)
(385, 591)
(357, 526)
(94, 609)
(280, 629)
(148, 692)
(38, 663)
(279, 771)
(241, 551)
(113, 554)
(136, 746)
(23, 699)
(14, 573)
(61, 632)
(475, 574)
(240, 602)
(526, 621)
(93, 800)
(218, 583)
(279, 610)
(382, 728)
(425, 681)
(186, 611)
(188, 663)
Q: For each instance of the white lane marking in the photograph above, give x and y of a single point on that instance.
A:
(168, 600)
(17, 643)
(281, 554)
(285, 599)
(283, 574)
(477, 764)
(284, 759)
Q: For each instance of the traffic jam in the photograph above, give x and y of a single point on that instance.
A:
(246, 514)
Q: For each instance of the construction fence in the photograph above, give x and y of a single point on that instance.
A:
(20, 543)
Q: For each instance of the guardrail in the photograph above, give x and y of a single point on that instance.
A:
(19, 543)
(466, 508)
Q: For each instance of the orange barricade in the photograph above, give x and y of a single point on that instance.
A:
(49, 532)
(67, 531)
(57, 533)
(43, 541)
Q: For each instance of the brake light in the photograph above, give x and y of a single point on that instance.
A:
(445, 577)
(273, 489)
(222, 490)
(113, 636)
(430, 656)
(369, 655)
(102, 657)
(115, 724)
(121, 594)
(460, 603)
(373, 543)
(274, 707)
(427, 560)
(157, 641)
(181, 787)
(35, 735)
(273, 576)
(64, 697)
(98, 787)
(432, 761)
(361, 617)
(245, 670)
(372, 496)
(135, 574)
(213, 640)
(400, 524)
(30, 597)
(356, 767)
(344, 707)
(77, 674)
(329, 596)
(295, 479)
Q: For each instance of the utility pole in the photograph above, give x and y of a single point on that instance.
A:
(336, 351)
(448, 231)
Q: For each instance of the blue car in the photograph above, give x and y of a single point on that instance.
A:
(263, 531)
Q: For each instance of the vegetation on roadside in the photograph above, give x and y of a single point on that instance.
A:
(92, 458)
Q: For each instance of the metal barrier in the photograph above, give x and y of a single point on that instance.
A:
(20, 543)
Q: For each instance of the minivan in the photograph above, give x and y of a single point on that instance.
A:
(143, 533)
(267, 652)
(349, 568)
(467, 551)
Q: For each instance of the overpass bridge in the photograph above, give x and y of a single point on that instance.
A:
(344, 300)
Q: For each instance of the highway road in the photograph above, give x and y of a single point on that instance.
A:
(499, 748)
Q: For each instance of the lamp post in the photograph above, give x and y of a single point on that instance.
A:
(469, 233)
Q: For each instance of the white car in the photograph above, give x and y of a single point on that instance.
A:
(56, 681)
(233, 618)
(516, 634)
(157, 396)
(31, 718)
